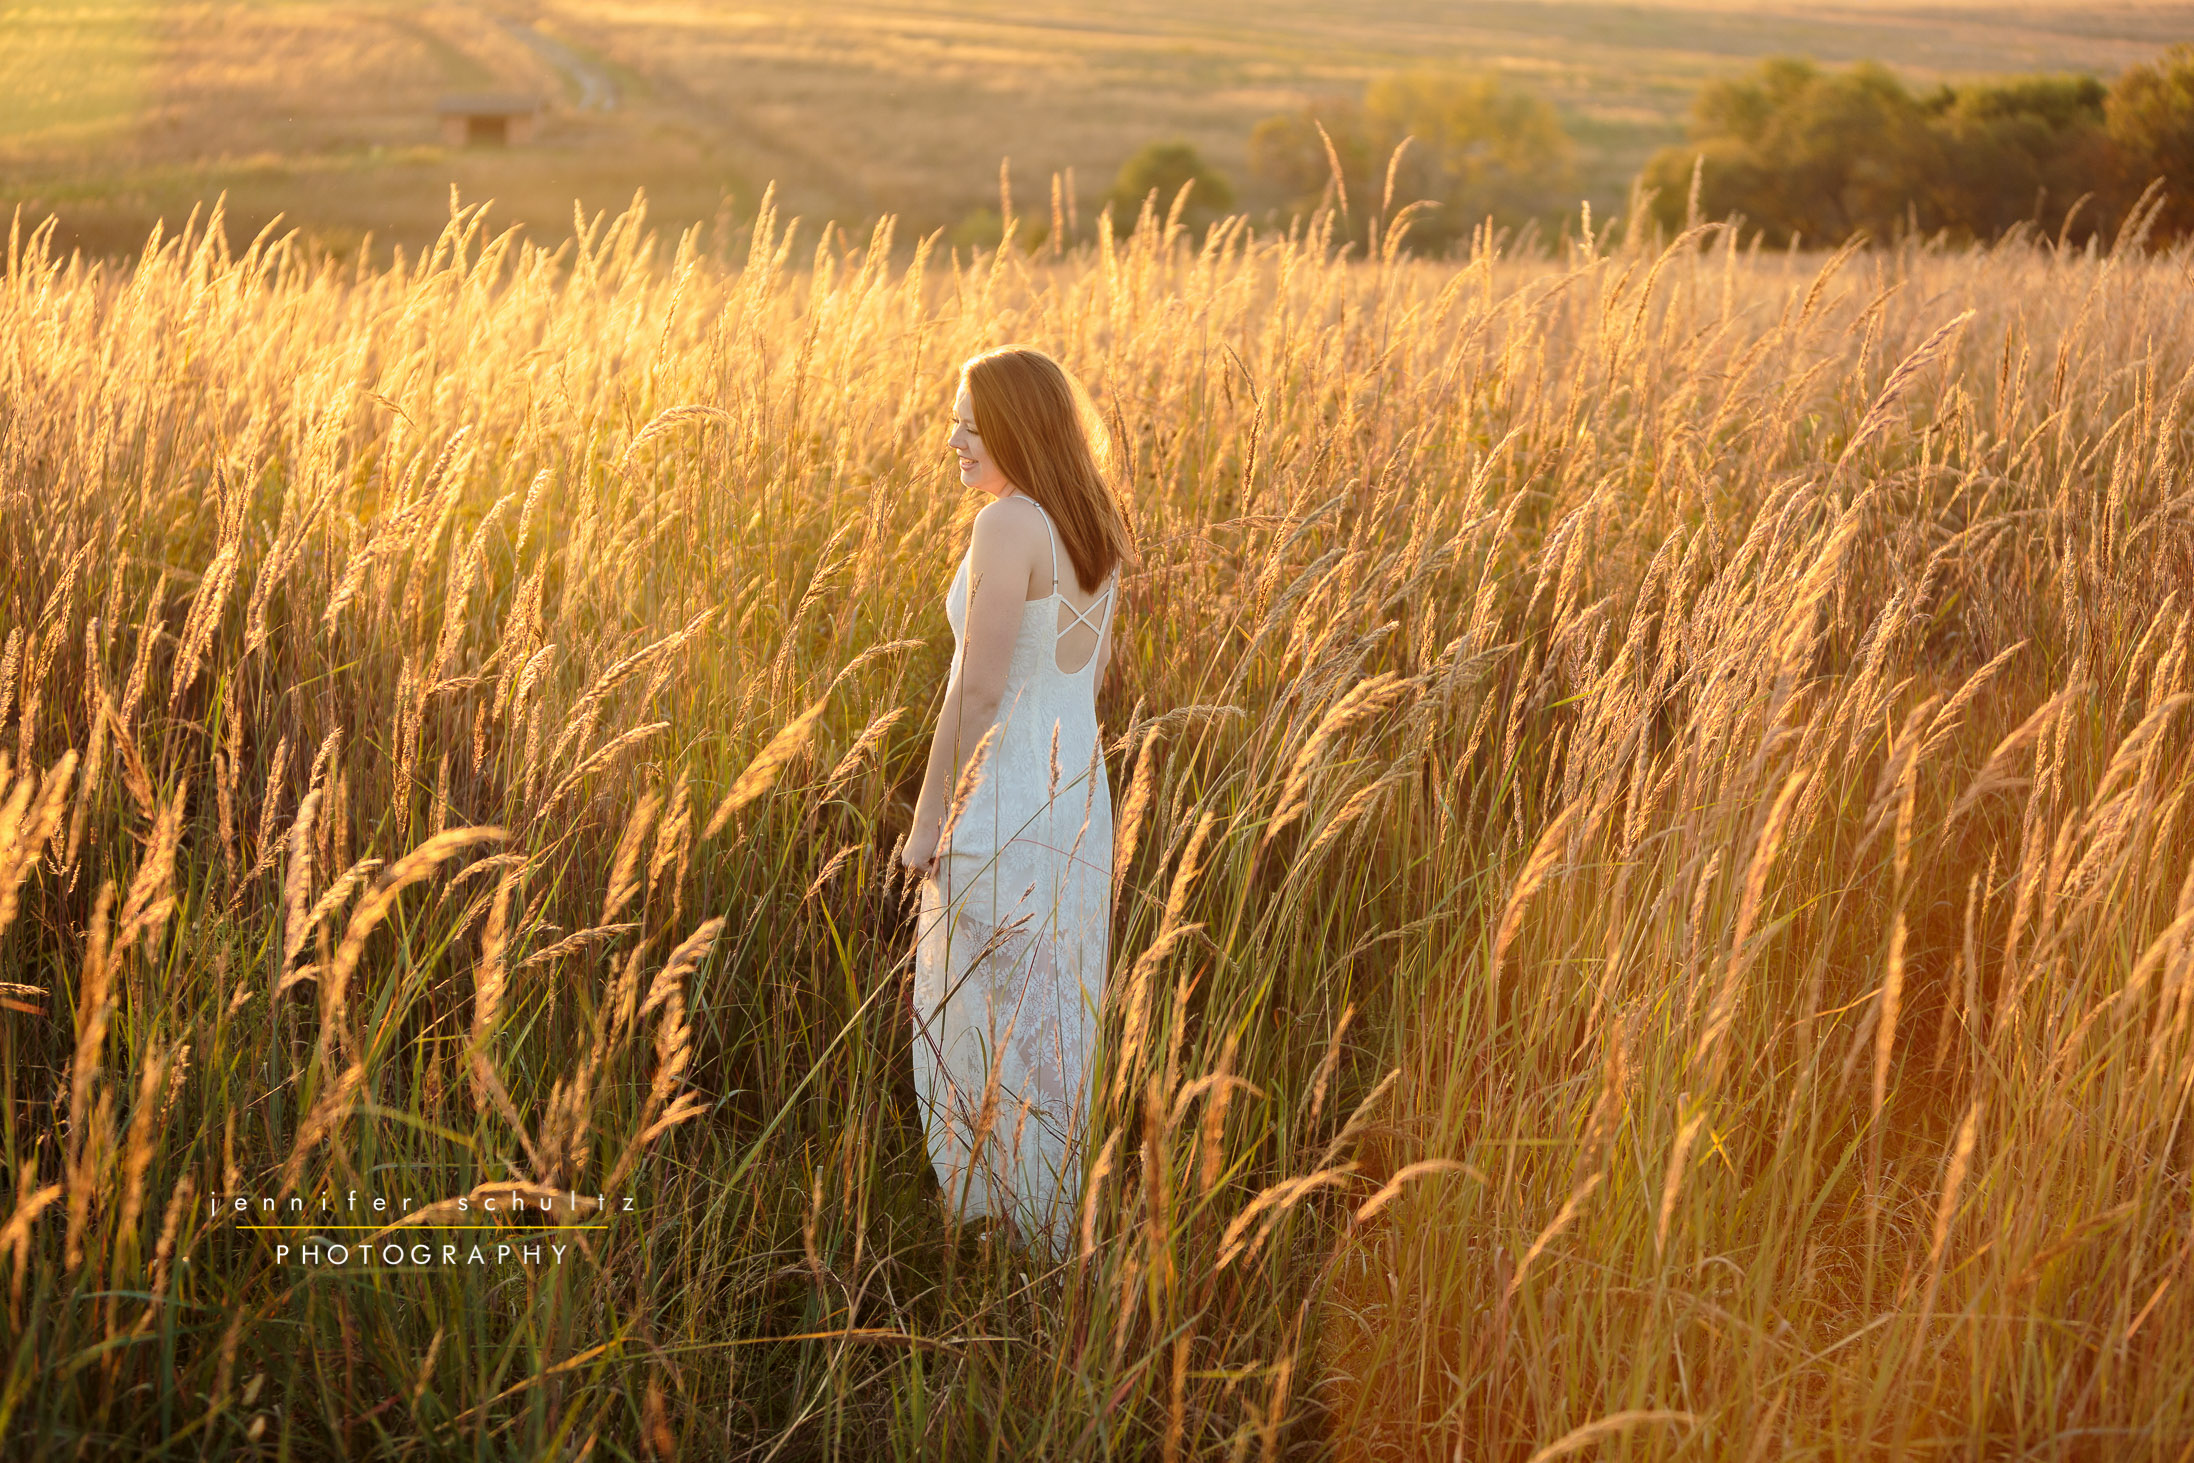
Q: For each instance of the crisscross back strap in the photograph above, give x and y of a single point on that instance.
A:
(1080, 617)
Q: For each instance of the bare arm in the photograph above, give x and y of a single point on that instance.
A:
(998, 572)
(1104, 659)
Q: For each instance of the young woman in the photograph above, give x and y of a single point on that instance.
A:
(1013, 830)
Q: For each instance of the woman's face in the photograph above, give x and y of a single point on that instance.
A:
(977, 470)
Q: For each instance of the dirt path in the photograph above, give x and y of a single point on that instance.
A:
(716, 125)
(597, 90)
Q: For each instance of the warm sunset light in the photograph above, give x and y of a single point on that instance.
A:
(1448, 730)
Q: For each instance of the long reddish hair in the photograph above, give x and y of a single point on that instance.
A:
(1039, 427)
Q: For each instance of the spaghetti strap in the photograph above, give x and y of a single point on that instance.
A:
(1080, 617)
(1054, 537)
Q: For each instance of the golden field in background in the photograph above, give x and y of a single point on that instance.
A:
(1655, 876)
(115, 113)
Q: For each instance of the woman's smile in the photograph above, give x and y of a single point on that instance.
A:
(977, 469)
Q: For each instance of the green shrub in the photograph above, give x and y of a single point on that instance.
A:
(1156, 174)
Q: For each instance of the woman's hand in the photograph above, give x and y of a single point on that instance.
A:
(919, 852)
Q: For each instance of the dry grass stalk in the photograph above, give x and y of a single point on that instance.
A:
(1369, 1209)
(419, 864)
(624, 880)
(24, 830)
(761, 774)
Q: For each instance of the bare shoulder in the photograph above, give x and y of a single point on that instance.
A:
(1008, 534)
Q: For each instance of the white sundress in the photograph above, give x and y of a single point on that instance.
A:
(1012, 938)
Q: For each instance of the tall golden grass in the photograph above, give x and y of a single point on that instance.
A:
(1656, 901)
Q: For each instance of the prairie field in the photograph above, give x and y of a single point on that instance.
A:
(1655, 906)
(321, 113)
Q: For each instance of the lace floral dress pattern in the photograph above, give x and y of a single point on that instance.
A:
(1012, 936)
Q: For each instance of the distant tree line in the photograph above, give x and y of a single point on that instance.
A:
(1450, 151)
(1802, 153)
(1456, 149)
(1797, 153)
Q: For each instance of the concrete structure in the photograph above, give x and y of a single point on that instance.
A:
(488, 119)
